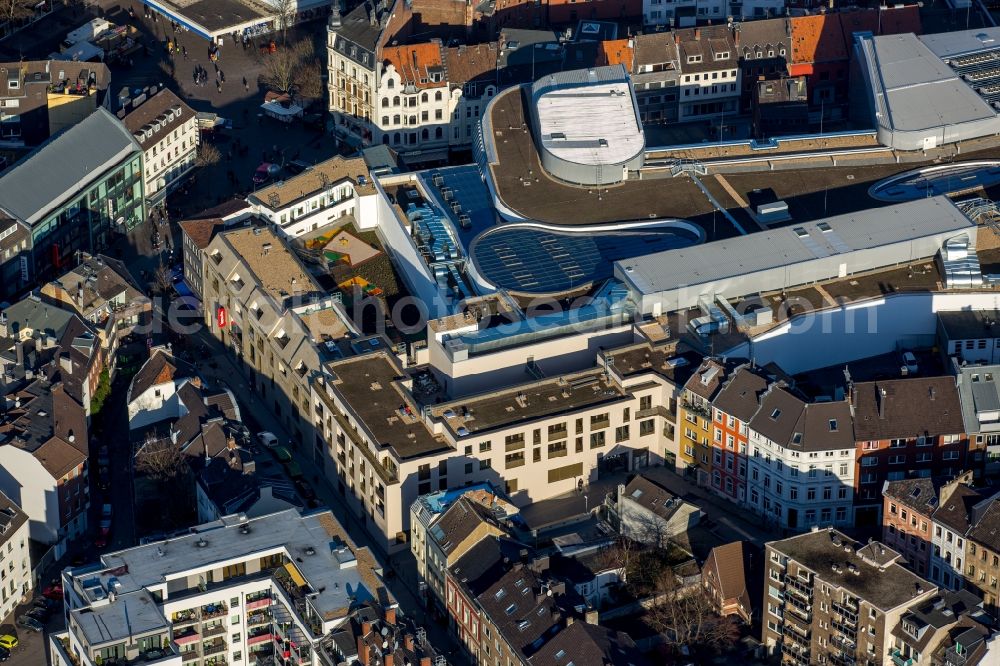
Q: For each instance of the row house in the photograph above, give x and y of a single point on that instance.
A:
(167, 130)
(655, 77)
(694, 420)
(474, 79)
(950, 628)
(687, 13)
(413, 100)
(318, 197)
(733, 407)
(906, 427)
(198, 231)
(710, 74)
(830, 599)
(800, 461)
(262, 303)
(979, 393)
(764, 48)
(907, 523)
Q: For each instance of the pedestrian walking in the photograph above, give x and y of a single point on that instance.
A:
(222, 76)
(246, 84)
(184, 50)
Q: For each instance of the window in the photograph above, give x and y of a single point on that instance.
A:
(597, 439)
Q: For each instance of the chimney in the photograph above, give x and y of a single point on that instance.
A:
(932, 392)
(390, 615)
(677, 38)
(425, 661)
(363, 649)
(591, 617)
(697, 34)
(408, 642)
(880, 396)
(366, 628)
(387, 659)
(736, 38)
(19, 350)
(66, 363)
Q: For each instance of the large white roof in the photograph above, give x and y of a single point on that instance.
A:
(588, 116)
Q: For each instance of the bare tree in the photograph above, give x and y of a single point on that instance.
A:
(160, 459)
(686, 616)
(293, 70)
(12, 11)
(208, 155)
(284, 11)
(162, 281)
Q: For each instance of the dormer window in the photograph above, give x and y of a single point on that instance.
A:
(693, 59)
(722, 55)
(775, 414)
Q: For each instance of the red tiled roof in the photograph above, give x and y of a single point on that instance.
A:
(817, 38)
(615, 52)
(412, 63)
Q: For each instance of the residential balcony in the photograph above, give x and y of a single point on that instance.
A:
(216, 630)
(188, 637)
(263, 602)
(842, 660)
(694, 408)
(899, 659)
(795, 585)
(795, 636)
(850, 614)
(185, 618)
(800, 618)
(259, 638)
(846, 630)
(258, 618)
(804, 610)
(212, 611)
(793, 654)
(214, 648)
(190, 655)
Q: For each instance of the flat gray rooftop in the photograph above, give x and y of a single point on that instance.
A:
(332, 573)
(131, 615)
(787, 246)
(919, 90)
(886, 588)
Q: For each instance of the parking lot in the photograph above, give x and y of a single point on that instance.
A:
(32, 648)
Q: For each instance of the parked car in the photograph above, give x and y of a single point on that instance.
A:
(267, 439)
(910, 363)
(281, 453)
(47, 604)
(293, 469)
(39, 614)
(54, 592)
(8, 642)
(106, 511)
(30, 623)
(305, 490)
(265, 172)
(4, 654)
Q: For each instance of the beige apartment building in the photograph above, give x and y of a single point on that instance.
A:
(261, 302)
(389, 440)
(829, 599)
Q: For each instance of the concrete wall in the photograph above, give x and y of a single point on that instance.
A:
(28, 485)
(154, 404)
(858, 330)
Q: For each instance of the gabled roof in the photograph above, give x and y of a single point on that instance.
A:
(920, 494)
(740, 395)
(955, 512)
(161, 368)
(919, 406)
(201, 231)
(818, 38)
(414, 63)
(652, 496)
(584, 644)
(472, 63)
(458, 522)
(707, 380)
(616, 52)
(164, 109)
(58, 457)
(728, 564)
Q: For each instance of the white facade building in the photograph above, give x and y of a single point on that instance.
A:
(230, 588)
(801, 461)
(414, 102)
(686, 13)
(167, 130)
(317, 197)
(15, 559)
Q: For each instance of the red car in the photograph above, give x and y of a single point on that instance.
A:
(54, 592)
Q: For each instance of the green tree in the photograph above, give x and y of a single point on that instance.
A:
(101, 393)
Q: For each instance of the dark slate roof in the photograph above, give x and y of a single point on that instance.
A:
(740, 395)
(458, 522)
(63, 165)
(159, 369)
(485, 563)
(920, 494)
(907, 408)
(987, 528)
(583, 644)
